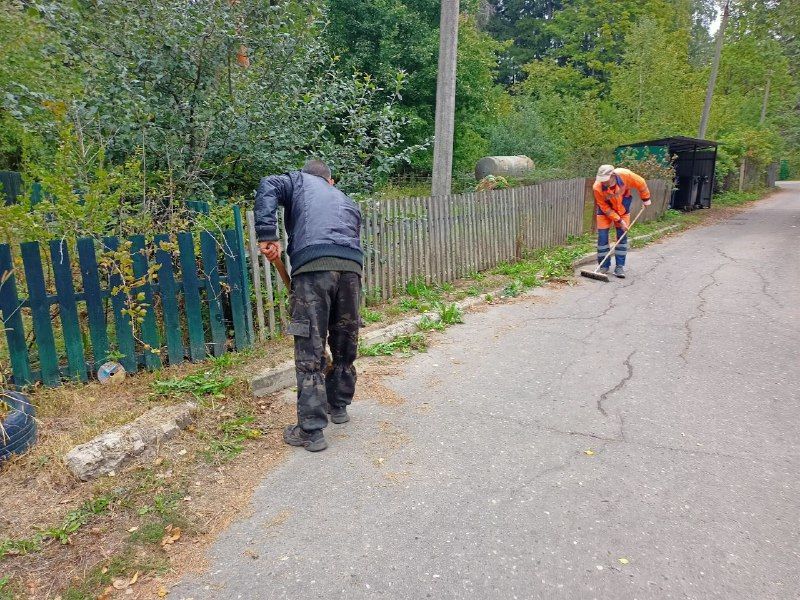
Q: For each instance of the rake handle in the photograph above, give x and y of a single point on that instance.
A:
(622, 237)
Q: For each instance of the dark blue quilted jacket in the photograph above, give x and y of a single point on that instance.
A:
(321, 220)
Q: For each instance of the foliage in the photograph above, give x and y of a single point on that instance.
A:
(648, 166)
(232, 435)
(208, 383)
(492, 182)
(404, 344)
(213, 95)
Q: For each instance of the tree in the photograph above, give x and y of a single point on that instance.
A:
(168, 82)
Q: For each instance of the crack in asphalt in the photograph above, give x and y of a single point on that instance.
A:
(700, 309)
(764, 288)
(621, 384)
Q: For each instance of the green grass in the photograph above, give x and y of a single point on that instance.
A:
(431, 324)
(371, 316)
(6, 593)
(233, 434)
(208, 383)
(450, 314)
(404, 345)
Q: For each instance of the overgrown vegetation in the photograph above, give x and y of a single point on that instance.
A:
(402, 345)
(61, 533)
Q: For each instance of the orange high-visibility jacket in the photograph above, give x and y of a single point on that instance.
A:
(610, 203)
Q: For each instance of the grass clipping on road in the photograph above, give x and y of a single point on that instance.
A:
(136, 531)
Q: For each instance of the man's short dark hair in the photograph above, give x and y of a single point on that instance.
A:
(318, 168)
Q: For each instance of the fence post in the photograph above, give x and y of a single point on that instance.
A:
(95, 311)
(169, 301)
(68, 310)
(149, 327)
(40, 311)
(248, 308)
(234, 265)
(11, 307)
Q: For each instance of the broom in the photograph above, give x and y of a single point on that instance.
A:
(281, 268)
(603, 276)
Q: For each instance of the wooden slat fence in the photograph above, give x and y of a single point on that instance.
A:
(64, 313)
(441, 239)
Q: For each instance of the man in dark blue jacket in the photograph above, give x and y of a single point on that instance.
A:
(324, 229)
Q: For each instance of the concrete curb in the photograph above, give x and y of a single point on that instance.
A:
(118, 447)
(282, 376)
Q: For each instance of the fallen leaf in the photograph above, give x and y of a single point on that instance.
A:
(624, 561)
(162, 592)
(173, 535)
(132, 529)
(589, 452)
(182, 452)
(104, 570)
(134, 579)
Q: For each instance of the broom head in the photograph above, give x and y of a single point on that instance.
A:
(594, 275)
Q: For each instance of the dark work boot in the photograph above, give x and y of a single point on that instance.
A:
(313, 442)
(339, 415)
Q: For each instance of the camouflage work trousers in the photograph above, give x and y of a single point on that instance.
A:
(324, 305)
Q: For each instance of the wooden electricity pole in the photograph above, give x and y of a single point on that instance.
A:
(714, 71)
(445, 99)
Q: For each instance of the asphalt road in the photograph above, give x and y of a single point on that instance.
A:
(634, 439)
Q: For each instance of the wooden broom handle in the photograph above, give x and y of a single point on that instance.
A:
(282, 272)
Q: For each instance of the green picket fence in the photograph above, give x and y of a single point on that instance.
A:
(64, 317)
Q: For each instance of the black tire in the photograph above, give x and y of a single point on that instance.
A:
(18, 431)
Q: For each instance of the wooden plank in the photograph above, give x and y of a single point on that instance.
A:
(191, 297)
(234, 264)
(366, 277)
(385, 247)
(11, 310)
(208, 251)
(93, 296)
(436, 202)
(68, 310)
(242, 254)
(168, 291)
(419, 241)
(377, 255)
(150, 335)
(395, 288)
(255, 255)
(40, 313)
(126, 344)
(402, 253)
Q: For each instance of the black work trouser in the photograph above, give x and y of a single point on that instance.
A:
(324, 305)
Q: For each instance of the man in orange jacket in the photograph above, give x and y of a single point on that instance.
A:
(612, 197)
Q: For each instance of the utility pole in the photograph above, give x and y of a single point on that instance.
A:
(766, 101)
(445, 99)
(714, 71)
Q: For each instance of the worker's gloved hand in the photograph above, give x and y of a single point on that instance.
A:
(646, 202)
(272, 250)
(622, 225)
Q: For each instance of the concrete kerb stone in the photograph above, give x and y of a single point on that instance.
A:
(118, 447)
(282, 376)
